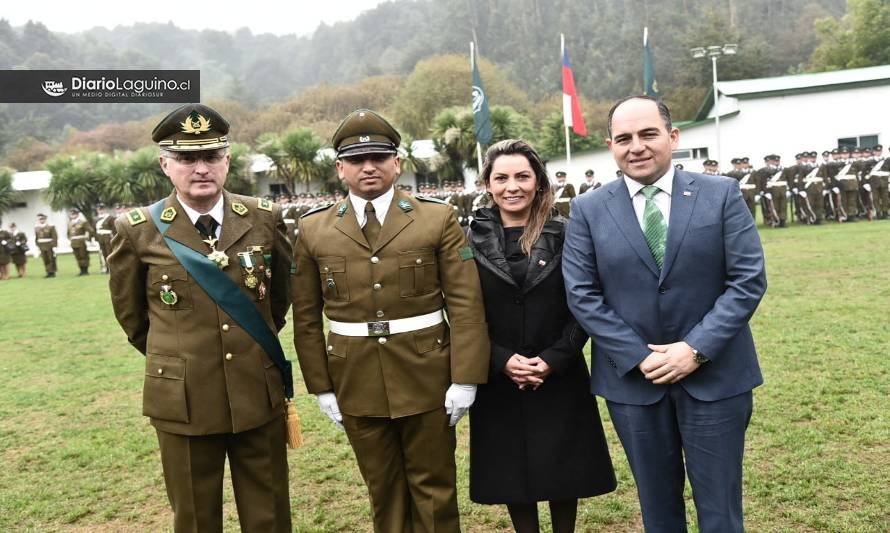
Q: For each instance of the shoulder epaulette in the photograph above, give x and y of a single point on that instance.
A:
(135, 216)
(316, 210)
(264, 204)
(430, 199)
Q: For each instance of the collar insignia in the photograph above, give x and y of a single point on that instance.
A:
(195, 124)
(342, 209)
(135, 216)
(405, 205)
(169, 214)
(239, 208)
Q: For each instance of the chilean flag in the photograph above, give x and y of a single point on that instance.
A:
(571, 108)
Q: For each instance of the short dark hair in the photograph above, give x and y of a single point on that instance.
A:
(662, 110)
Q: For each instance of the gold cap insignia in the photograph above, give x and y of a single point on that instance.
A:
(239, 208)
(195, 123)
(169, 214)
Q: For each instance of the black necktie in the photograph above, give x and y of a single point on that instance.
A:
(206, 226)
(372, 225)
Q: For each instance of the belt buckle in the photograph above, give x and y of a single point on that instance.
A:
(378, 329)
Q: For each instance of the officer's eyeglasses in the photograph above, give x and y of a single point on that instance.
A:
(191, 159)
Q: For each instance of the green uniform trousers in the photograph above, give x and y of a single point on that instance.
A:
(82, 255)
(193, 473)
(408, 466)
(49, 260)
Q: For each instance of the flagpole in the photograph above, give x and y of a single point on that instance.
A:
(562, 51)
(478, 146)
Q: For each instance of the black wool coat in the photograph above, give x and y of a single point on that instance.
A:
(533, 445)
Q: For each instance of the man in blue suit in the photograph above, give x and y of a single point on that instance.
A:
(664, 269)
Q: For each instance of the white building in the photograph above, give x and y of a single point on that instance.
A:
(783, 115)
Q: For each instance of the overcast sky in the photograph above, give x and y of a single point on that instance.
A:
(260, 16)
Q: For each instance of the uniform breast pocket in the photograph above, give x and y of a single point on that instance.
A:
(418, 273)
(333, 278)
(169, 285)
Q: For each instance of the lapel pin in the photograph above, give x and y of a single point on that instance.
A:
(541, 262)
(687, 193)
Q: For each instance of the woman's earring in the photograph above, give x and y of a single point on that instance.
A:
(540, 189)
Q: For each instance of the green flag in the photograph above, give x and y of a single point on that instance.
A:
(650, 86)
(481, 115)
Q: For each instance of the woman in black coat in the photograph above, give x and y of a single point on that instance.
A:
(535, 431)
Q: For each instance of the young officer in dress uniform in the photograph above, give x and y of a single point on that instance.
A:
(385, 267)
(47, 239)
(563, 194)
(211, 390)
(104, 232)
(79, 231)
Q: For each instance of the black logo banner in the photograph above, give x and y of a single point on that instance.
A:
(90, 86)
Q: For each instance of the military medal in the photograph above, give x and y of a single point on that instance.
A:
(168, 296)
(219, 258)
(250, 279)
(261, 291)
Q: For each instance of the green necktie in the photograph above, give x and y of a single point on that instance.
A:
(654, 226)
(371, 229)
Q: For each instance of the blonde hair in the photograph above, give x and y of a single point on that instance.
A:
(542, 204)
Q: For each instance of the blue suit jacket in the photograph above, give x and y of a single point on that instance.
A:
(712, 281)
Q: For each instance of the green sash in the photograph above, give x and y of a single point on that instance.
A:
(228, 296)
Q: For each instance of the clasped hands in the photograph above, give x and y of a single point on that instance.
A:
(527, 371)
(668, 363)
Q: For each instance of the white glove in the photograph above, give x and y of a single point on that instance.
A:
(787, 194)
(327, 401)
(794, 190)
(836, 190)
(867, 187)
(803, 194)
(756, 197)
(769, 195)
(458, 399)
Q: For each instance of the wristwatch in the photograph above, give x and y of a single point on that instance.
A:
(699, 358)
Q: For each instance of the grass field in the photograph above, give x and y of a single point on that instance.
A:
(76, 454)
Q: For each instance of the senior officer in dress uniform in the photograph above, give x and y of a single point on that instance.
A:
(383, 267)
(211, 390)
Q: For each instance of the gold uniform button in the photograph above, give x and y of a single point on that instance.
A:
(165, 277)
(379, 314)
(375, 259)
(419, 261)
(438, 341)
(225, 327)
(377, 286)
(330, 348)
(160, 371)
(229, 356)
(326, 269)
(382, 340)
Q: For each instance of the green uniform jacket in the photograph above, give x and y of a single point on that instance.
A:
(203, 373)
(79, 233)
(47, 231)
(420, 263)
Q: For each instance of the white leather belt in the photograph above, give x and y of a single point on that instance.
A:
(48, 239)
(387, 327)
(746, 187)
(289, 220)
(847, 177)
(563, 200)
(103, 231)
(74, 237)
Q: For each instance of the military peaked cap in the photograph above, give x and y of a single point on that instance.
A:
(190, 128)
(588, 172)
(365, 132)
(560, 174)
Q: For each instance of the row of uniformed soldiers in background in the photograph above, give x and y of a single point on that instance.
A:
(848, 185)
(80, 232)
